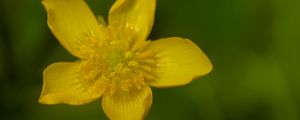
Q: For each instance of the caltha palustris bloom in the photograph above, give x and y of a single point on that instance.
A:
(116, 61)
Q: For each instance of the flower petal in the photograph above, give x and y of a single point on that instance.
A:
(130, 105)
(179, 62)
(61, 85)
(71, 21)
(132, 19)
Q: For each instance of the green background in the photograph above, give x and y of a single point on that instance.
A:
(253, 45)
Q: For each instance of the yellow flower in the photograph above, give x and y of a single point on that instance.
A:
(116, 61)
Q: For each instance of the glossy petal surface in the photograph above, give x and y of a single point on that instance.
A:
(130, 105)
(132, 20)
(72, 22)
(179, 62)
(62, 85)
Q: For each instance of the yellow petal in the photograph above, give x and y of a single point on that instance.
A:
(71, 21)
(132, 19)
(179, 62)
(130, 105)
(61, 85)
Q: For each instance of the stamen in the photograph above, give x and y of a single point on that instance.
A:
(128, 55)
(112, 65)
(133, 63)
(145, 54)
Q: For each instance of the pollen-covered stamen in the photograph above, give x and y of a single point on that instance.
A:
(90, 71)
(125, 82)
(145, 63)
(114, 59)
(148, 71)
(123, 69)
(126, 72)
(128, 55)
(88, 43)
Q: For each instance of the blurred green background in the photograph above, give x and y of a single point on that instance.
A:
(253, 44)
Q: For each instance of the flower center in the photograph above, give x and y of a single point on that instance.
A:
(115, 58)
(119, 66)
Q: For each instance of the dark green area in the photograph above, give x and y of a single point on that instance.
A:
(253, 44)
